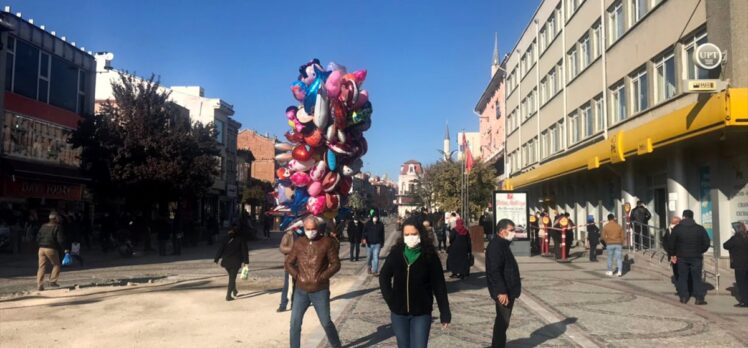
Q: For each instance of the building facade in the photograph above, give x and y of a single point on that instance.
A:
(263, 150)
(49, 88)
(490, 111)
(407, 186)
(599, 114)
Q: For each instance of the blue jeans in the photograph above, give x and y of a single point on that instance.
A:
(373, 257)
(615, 250)
(411, 331)
(692, 266)
(284, 292)
(321, 302)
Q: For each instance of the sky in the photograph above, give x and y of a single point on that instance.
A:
(428, 61)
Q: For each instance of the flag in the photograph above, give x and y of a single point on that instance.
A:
(468, 155)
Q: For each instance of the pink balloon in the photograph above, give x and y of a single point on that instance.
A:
(315, 188)
(300, 179)
(359, 76)
(316, 205)
(332, 85)
(363, 98)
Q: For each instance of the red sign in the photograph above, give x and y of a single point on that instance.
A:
(23, 188)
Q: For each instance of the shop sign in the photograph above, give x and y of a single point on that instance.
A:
(23, 188)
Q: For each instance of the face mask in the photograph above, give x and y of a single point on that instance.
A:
(412, 241)
(510, 236)
(311, 234)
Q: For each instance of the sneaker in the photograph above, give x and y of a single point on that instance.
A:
(700, 302)
(54, 285)
(620, 274)
(280, 310)
(40, 288)
(609, 273)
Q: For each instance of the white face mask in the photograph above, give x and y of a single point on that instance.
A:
(311, 234)
(510, 236)
(412, 241)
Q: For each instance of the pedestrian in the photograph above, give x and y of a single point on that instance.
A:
(641, 215)
(286, 245)
(412, 276)
(73, 237)
(689, 241)
(593, 237)
(355, 234)
(267, 224)
(50, 240)
(555, 233)
(569, 233)
(674, 221)
(429, 230)
(441, 234)
(233, 254)
(485, 222)
(460, 251)
(373, 238)
(738, 247)
(502, 276)
(613, 237)
(313, 260)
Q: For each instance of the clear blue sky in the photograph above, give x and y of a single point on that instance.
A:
(428, 61)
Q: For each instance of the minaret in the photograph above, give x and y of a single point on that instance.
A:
(495, 64)
(446, 142)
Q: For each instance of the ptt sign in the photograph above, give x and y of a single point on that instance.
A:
(707, 56)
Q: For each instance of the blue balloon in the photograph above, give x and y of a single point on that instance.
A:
(332, 161)
(313, 89)
(300, 197)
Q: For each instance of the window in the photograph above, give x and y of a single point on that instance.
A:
(599, 114)
(82, 109)
(63, 88)
(585, 54)
(665, 70)
(573, 127)
(497, 108)
(25, 79)
(531, 102)
(524, 156)
(572, 63)
(638, 10)
(543, 90)
(552, 83)
(44, 67)
(219, 131)
(618, 102)
(589, 120)
(9, 58)
(542, 39)
(615, 19)
(639, 91)
(38, 140)
(544, 145)
(693, 71)
(556, 138)
(597, 43)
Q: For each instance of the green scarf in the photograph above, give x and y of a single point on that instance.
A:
(411, 255)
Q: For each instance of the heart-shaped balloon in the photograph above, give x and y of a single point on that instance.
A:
(301, 153)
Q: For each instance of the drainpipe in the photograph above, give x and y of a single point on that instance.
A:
(603, 39)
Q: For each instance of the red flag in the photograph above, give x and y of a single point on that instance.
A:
(468, 155)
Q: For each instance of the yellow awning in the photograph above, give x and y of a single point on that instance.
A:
(724, 109)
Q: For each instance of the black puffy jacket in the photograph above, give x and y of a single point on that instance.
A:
(50, 236)
(502, 271)
(689, 239)
(410, 290)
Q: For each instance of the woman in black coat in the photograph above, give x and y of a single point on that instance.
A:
(412, 276)
(738, 247)
(460, 251)
(233, 253)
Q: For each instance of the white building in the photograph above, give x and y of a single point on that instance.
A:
(407, 184)
(222, 198)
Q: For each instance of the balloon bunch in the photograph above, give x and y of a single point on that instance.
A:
(325, 143)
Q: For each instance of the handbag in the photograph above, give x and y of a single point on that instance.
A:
(67, 260)
(245, 272)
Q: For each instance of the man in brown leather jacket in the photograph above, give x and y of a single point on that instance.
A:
(286, 245)
(313, 260)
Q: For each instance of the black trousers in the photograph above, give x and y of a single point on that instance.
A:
(442, 242)
(355, 250)
(593, 250)
(741, 280)
(232, 280)
(501, 324)
(556, 236)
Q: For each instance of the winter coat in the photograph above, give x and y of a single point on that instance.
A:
(410, 290)
(50, 236)
(593, 234)
(313, 263)
(233, 252)
(355, 232)
(613, 233)
(641, 215)
(689, 239)
(458, 257)
(374, 232)
(502, 271)
(738, 247)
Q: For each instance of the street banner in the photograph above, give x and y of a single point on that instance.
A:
(512, 205)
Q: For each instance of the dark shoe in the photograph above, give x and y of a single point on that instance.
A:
(453, 275)
(229, 298)
(280, 310)
(684, 300)
(700, 302)
(737, 305)
(54, 285)
(235, 292)
(40, 288)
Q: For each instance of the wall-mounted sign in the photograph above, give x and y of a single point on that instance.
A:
(702, 85)
(512, 206)
(616, 148)
(707, 56)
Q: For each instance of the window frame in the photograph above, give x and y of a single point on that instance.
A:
(619, 106)
(637, 105)
(661, 63)
(616, 21)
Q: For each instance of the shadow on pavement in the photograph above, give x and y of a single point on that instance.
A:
(354, 294)
(543, 334)
(475, 281)
(74, 303)
(383, 333)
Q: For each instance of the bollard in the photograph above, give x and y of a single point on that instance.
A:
(564, 223)
(546, 243)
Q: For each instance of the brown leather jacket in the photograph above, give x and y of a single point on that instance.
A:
(286, 243)
(313, 263)
(613, 233)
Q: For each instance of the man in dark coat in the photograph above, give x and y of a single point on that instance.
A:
(738, 247)
(502, 276)
(50, 240)
(593, 237)
(355, 233)
(232, 253)
(641, 216)
(674, 221)
(374, 239)
(690, 241)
